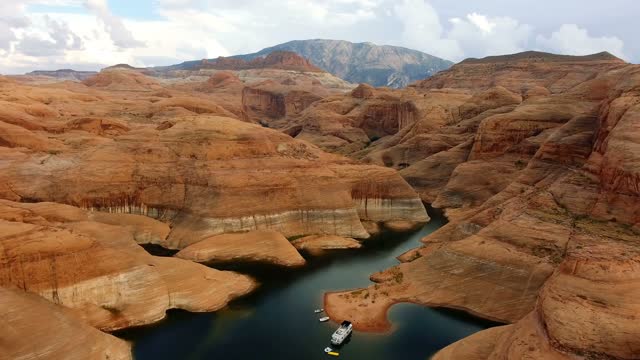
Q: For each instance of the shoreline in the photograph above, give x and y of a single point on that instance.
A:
(380, 322)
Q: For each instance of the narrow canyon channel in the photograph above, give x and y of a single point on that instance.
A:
(278, 322)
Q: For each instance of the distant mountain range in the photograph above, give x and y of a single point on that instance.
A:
(377, 65)
(64, 74)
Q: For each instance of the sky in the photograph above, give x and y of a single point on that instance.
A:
(92, 34)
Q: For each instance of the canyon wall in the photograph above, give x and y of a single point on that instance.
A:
(534, 161)
(62, 336)
(87, 263)
(91, 171)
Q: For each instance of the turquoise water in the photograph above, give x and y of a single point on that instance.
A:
(277, 321)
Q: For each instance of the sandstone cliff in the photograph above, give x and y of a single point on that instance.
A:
(200, 172)
(90, 171)
(80, 260)
(26, 335)
(284, 60)
(534, 159)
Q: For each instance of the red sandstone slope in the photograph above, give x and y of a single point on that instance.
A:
(25, 334)
(122, 79)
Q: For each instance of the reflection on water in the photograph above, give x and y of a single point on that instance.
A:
(277, 321)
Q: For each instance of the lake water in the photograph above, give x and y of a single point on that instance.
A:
(277, 321)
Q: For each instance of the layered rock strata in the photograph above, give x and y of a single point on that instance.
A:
(66, 255)
(53, 333)
(536, 172)
(317, 244)
(255, 246)
(202, 174)
(90, 171)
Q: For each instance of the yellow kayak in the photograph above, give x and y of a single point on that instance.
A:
(333, 353)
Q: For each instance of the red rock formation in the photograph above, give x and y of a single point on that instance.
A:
(98, 126)
(284, 60)
(261, 94)
(380, 120)
(542, 197)
(254, 246)
(347, 124)
(273, 100)
(222, 78)
(318, 244)
(118, 153)
(363, 91)
(33, 328)
(175, 158)
(265, 102)
(118, 79)
(91, 263)
(523, 71)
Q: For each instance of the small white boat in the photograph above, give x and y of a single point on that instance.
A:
(323, 319)
(343, 332)
(318, 311)
(328, 349)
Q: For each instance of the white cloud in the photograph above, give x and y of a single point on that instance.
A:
(249, 25)
(120, 35)
(11, 18)
(475, 35)
(481, 22)
(57, 39)
(572, 40)
(176, 41)
(193, 29)
(480, 35)
(422, 29)
(40, 46)
(6, 37)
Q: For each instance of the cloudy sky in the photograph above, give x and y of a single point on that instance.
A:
(90, 34)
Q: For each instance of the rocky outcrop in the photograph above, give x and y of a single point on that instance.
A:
(122, 80)
(53, 332)
(583, 309)
(12, 136)
(380, 120)
(524, 71)
(351, 124)
(190, 104)
(264, 91)
(272, 100)
(223, 79)
(77, 259)
(267, 103)
(317, 244)
(255, 246)
(283, 60)
(363, 91)
(98, 126)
